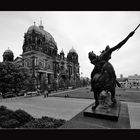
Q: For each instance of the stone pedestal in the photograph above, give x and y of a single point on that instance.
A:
(111, 113)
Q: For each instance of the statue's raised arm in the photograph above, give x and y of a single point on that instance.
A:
(106, 54)
(118, 46)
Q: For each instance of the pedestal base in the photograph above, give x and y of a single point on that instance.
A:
(110, 113)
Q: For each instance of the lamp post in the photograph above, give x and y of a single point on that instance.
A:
(81, 74)
(33, 72)
(33, 66)
(81, 79)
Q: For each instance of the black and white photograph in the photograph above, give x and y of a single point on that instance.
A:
(69, 70)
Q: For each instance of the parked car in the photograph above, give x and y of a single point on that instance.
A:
(0, 94)
(21, 93)
(32, 93)
(8, 95)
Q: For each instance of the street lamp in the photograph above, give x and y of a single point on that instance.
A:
(33, 66)
(33, 72)
(81, 74)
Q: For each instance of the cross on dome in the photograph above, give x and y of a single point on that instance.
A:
(40, 21)
(41, 26)
(34, 23)
(62, 51)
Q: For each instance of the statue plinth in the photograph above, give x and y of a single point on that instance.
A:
(111, 112)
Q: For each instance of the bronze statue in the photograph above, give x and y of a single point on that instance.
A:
(103, 77)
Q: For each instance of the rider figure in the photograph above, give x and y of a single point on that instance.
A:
(104, 57)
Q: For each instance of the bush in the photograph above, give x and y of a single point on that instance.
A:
(22, 116)
(55, 122)
(37, 124)
(44, 122)
(5, 114)
(21, 119)
(3, 108)
(12, 123)
(6, 117)
(12, 119)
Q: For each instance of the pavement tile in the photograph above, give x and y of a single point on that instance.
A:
(134, 115)
(82, 122)
(63, 108)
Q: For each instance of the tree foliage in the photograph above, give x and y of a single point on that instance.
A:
(13, 77)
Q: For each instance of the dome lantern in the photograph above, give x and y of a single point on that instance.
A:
(72, 50)
(62, 54)
(33, 27)
(41, 27)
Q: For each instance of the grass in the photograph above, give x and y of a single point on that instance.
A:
(83, 93)
(130, 95)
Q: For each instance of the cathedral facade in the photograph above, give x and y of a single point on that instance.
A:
(40, 56)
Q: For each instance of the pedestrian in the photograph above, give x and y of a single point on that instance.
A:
(0, 94)
(45, 94)
(48, 89)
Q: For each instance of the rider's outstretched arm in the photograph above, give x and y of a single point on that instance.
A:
(118, 46)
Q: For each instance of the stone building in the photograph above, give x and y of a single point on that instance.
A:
(130, 81)
(40, 55)
(134, 79)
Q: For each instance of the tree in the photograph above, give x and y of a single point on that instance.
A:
(13, 77)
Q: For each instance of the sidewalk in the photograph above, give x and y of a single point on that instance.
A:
(85, 122)
(134, 115)
(129, 119)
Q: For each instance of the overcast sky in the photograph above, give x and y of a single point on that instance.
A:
(85, 31)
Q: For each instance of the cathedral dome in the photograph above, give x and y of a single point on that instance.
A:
(8, 52)
(40, 29)
(8, 55)
(48, 36)
(72, 56)
(72, 51)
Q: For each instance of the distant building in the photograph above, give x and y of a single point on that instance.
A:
(85, 81)
(130, 81)
(123, 81)
(40, 55)
(134, 79)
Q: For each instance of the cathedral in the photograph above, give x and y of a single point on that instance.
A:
(40, 56)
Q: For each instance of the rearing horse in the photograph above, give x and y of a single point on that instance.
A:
(103, 76)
